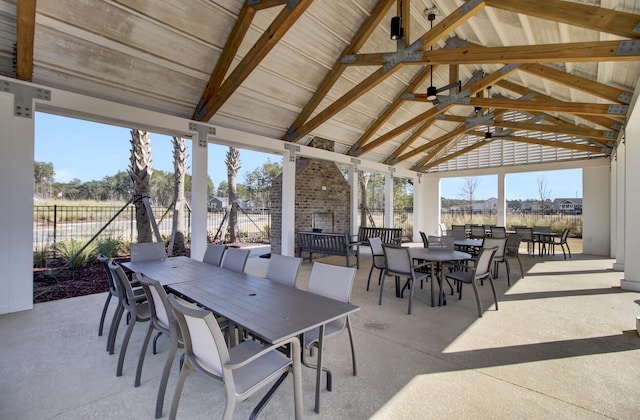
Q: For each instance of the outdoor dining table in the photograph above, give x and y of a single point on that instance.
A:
(468, 243)
(269, 310)
(435, 257)
(544, 239)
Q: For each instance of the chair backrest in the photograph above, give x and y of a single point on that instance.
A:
(443, 229)
(513, 244)
(235, 259)
(161, 313)
(332, 281)
(498, 232)
(104, 260)
(283, 269)
(542, 229)
(203, 341)
(477, 231)
(398, 261)
(442, 242)
(376, 246)
(214, 253)
(526, 232)
(425, 239)
(459, 232)
(125, 291)
(147, 251)
(483, 264)
(500, 243)
(565, 234)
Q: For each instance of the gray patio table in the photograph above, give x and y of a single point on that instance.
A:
(436, 256)
(269, 310)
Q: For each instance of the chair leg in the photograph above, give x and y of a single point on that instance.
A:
(475, 290)
(520, 264)
(113, 331)
(155, 340)
(162, 389)
(143, 352)
(178, 392)
(123, 349)
(381, 288)
(411, 286)
(495, 297)
(263, 402)
(568, 249)
(369, 278)
(506, 263)
(104, 314)
(353, 350)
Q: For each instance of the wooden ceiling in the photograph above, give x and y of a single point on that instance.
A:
(530, 80)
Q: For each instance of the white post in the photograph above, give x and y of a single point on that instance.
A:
(502, 199)
(620, 207)
(199, 198)
(16, 206)
(418, 208)
(288, 203)
(596, 211)
(355, 189)
(388, 199)
(613, 210)
(430, 205)
(631, 279)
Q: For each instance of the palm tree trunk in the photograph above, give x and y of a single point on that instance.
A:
(179, 171)
(233, 166)
(140, 172)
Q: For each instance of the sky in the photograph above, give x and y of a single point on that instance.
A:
(90, 151)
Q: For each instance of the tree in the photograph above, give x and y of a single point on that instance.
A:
(258, 183)
(544, 192)
(363, 180)
(43, 175)
(233, 166)
(140, 172)
(468, 191)
(179, 171)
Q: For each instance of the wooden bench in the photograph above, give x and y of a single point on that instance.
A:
(387, 235)
(328, 244)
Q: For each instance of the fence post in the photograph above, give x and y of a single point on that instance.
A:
(131, 225)
(55, 219)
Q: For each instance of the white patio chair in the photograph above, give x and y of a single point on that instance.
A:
(243, 369)
(399, 264)
(334, 282)
(147, 251)
(235, 259)
(214, 253)
(283, 269)
(377, 259)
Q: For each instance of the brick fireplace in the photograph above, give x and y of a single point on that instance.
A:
(322, 197)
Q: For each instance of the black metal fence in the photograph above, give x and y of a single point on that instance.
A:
(58, 223)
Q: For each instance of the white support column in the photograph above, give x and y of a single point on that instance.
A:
(418, 208)
(16, 205)
(388, 198)
(596, 206)
(502, 199)
(199, 199)
(620, 207)
(288, 201)
(355, 190)
(430, 205)
(631, 279)
(613, 210)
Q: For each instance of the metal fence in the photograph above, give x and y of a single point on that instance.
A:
(54, 224)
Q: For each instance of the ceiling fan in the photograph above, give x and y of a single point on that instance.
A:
(432, 91)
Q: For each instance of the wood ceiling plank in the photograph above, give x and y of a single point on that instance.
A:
(577, 108)
(25, 35)
(550, 143)
(363, 34)
(281, 24)
(576, 14)
(266, 4)
(423, 168)
(449, 136)
(547, 128)
(583, 84)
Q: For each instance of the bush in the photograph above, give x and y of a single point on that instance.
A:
(40, 257)
(68, 249)
(111, 246)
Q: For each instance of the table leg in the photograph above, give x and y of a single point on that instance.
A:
(441, 298)
(319, 368)
(433, 277)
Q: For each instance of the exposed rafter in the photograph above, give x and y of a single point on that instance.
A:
(25, 34)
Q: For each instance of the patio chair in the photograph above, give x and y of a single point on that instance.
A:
(377, 259)
(214, 253)
(562, 241)
(112, 291)
(479, 272)
(147, 251)
(498, 232)
(400, 264)
(443, 229)
(135, 305)
(477, 232)
(542, 240)
(499, 256)
(527, 237)
(243, 369)
(459, 232)
(164, 321)
(283, 269)
(334, 282)
(235, 259)
(443, 242)
(512, 250)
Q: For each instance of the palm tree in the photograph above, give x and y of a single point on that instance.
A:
(140, 172)
(233, 166)
(179, 171)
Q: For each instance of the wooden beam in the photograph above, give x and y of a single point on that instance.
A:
(278, 28)
(405, 12)
(229, 51)
(550, 143)
(363, 34)
(266, 4)
(417, 80)
(576, 14)
(363, 87)
(548, 128)
(583, 84)
(450, 135)
(450, 23)
(476, 145)
(605, 122)
(25, 35)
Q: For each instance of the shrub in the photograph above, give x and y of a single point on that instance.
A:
(111, 246)
(40, 257)
(68, 249)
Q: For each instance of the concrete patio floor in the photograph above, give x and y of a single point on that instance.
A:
(563, 344)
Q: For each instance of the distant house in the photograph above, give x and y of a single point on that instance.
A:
(221, 203)
(568, 205)
(487, 206)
